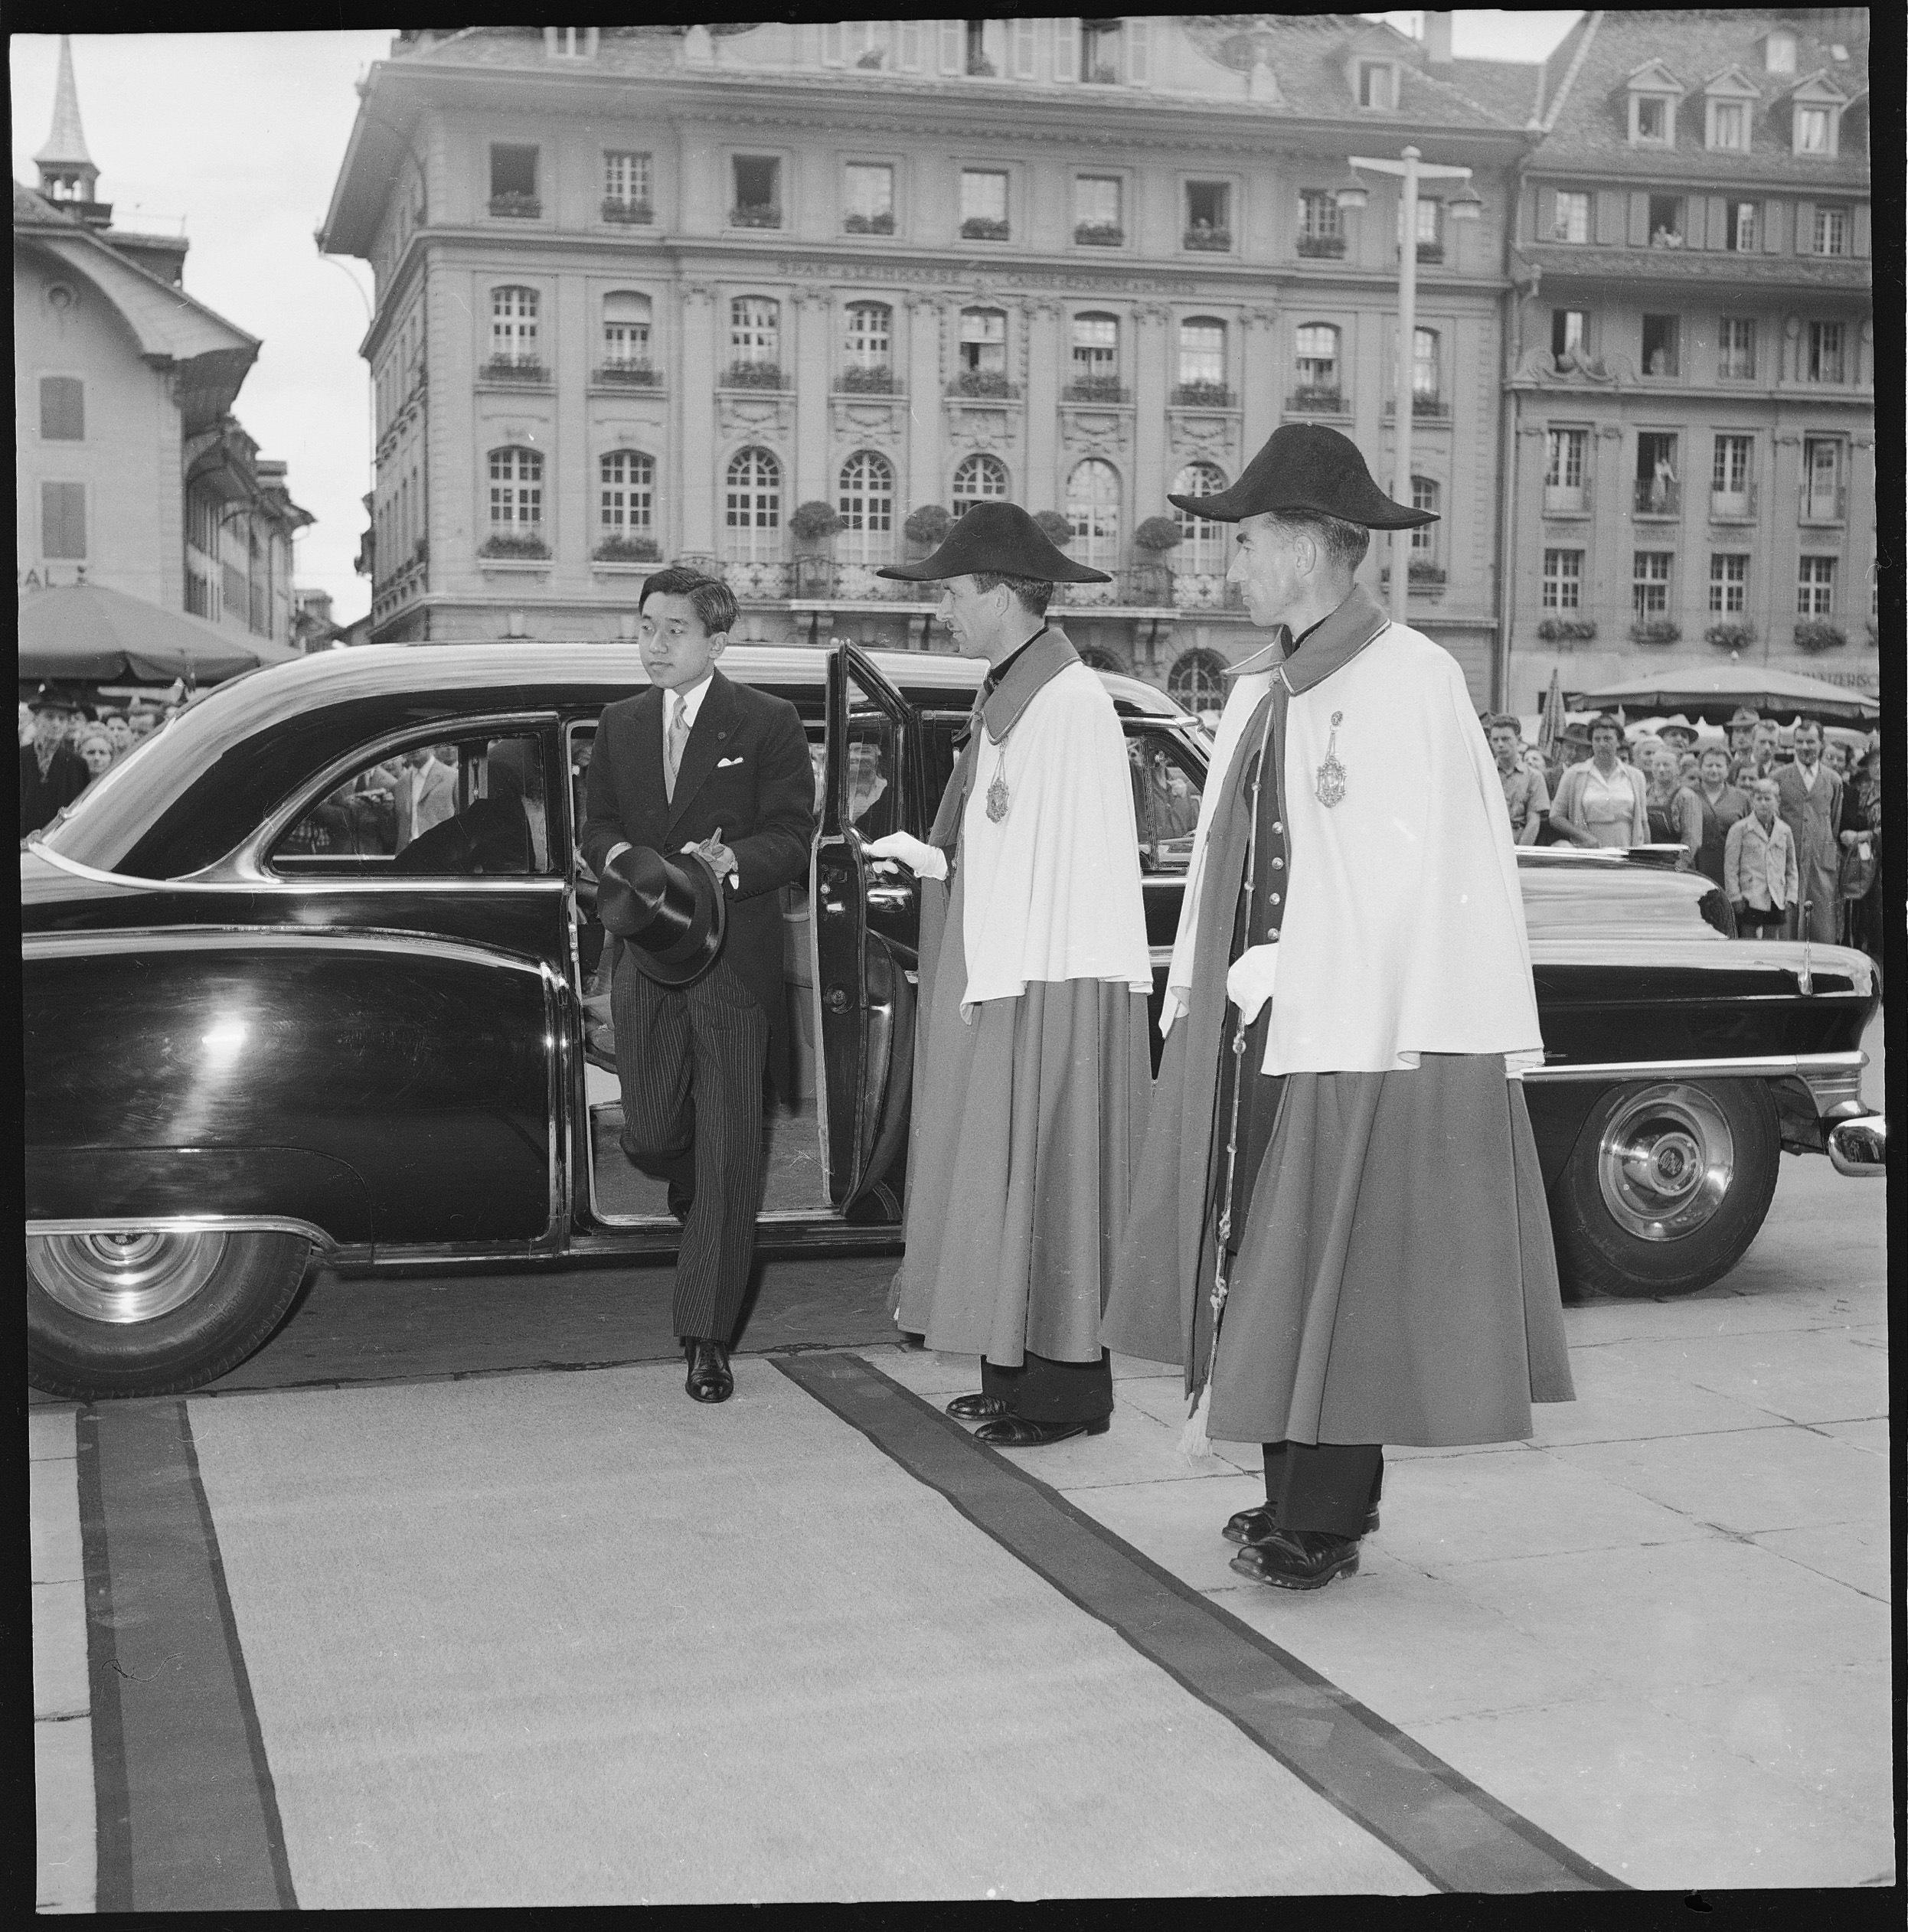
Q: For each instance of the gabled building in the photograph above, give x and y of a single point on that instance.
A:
(130, 470)
(643, 293)
(1691, 466)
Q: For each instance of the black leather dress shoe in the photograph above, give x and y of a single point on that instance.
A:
(977, 1408)
(1016, 1432)
(1299, 1559)
(710, 1380)
(1255, 1526)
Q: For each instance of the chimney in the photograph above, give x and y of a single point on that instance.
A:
(1437, 39)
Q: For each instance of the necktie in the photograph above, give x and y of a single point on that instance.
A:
(679, 736)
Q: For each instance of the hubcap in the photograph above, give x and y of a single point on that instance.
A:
(124, 1277)
(1666, 1161)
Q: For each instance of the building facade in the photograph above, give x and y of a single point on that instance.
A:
(1691, 460)
(646, 294)
(130, 470)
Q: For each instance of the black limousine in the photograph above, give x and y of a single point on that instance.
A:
(264, 1022)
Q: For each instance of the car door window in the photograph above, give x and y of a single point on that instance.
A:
(468, 806)
(1166, 790)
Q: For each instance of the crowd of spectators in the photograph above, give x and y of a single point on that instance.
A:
(68, 743)
(1791, 836)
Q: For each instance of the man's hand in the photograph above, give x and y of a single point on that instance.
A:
(720, 860)
(924, 860)
(1249, 982)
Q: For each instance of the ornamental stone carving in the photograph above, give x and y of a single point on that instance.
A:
(1152, 311)
(740, 415)
(1190, 435)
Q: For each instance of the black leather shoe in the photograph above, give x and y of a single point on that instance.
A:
(1016, 1432)
(1299, 1559)
(1255, 1526)
(977, 1408)
(710, 1380)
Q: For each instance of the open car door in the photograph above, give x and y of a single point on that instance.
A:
(864, 925)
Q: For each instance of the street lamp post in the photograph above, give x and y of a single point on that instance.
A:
(1410, 170)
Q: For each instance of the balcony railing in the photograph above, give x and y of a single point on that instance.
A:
(523, 207)
(1424, 409)
(1216, 241)
(1430, 251)
(1096, 389)
(629, 375)
(756, 583)
(514, 369)
(983, 383)
(1821, 506)
(1315, 400)
(859, 379)
(755, 215)
(983, 227)
(1733, 506)
(868, 224)
(818, 579)
(631, 214)
(1651, 498)
(1202, 396)
(752, 375)
(1098, 234)
(1331, 247)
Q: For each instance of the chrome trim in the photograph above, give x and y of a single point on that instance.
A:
(1859, 1148)
(1835, 1090)
(206, 939)
(1161, 956)
(1666, 1161)
(188, 1224)
(202, 882)
(1833, 1067)
(1709, 950)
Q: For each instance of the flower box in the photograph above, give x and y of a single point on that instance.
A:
(1202, 395)
(630, 375)
(628, 550)
(1216, 240)
(1317, 401)
(1430, 251)
(523, 207)
(982, 382)
(631, 213)
(755, 215)
(526, 547)
(1420, 570)
(1098, 234)
(1328, 245)
(513, 369)
(865, 379)
(1730, 637)
(752, 375)
(983, 227)
(869, 224)
(1094, 389)
(1816, 634)
(1567, 630)
(1656, 630)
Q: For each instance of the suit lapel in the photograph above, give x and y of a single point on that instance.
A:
(708, 735)
(649, 805)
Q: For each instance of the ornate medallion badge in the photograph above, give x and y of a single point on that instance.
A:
(1331, 774)
(997, 799)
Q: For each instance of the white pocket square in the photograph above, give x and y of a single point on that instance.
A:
(722, 763)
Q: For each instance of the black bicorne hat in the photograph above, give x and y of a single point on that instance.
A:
(671, 916)
(1003, 540)
(1306, 466)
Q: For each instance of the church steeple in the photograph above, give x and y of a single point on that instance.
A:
(67, 173)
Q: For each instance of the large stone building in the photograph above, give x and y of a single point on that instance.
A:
(1691, 475)
(644, 292)
(130, 470)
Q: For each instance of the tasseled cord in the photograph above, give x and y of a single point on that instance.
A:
(1194, 1445)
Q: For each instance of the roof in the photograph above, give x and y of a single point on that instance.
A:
(1587, 75)
(66, 145)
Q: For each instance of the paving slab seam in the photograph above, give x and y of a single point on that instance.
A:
(1452, 1831)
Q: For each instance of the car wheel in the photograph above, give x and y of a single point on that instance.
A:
(153, 1311)
(1666, 1187)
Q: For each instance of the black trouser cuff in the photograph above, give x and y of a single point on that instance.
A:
(1043, 1390)
(1325, 1485)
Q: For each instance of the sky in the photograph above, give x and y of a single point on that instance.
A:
(250, 182)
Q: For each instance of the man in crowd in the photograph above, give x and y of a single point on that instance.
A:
(698, 764)
(1340, 1225)
(1526, 796)
(1573, 748)
(1759, 872)
(118, 730)
(52, 774)
(1742, 737)
(1809, 795)
(425, 787)
(1032, 1073)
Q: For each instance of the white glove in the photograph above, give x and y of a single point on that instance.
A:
(1249, 982)
(924, 860)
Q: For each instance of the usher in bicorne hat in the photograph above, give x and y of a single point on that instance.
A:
(57, 697)
(1306, 466)
(671, 916)
(1002, 539)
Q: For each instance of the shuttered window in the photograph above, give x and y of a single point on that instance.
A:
(62, 409)
(63, 520)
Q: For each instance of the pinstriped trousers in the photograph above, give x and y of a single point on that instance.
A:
(690, 1062)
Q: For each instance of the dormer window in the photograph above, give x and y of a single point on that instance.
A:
(1778, 50)
(1378, 84)
(1729, 124)
(570, 43)
(1652, 119)
(1814, 131)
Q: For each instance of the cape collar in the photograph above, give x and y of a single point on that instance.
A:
(1329, 645)
(1041, 660)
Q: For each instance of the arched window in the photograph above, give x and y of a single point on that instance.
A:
(513, 325)
(979, 479)
(1424, 496)
(752, 519)
(1318, 348)
(984, 341)
(867, 504)
(1096, 348)
(626, 498)
(1202, 546)
(1202, 353)
(626, 330)
(755, 329)
(871, 338)
(1092, 508)
(1197, 684)
(516, 492)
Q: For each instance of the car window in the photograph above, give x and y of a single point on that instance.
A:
(873, 806)
(1166, 791)
(469, 806)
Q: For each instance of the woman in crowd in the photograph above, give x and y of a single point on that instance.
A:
(1835, 756)
(1860, 826)
(1719, 804)
(1674, 817)
(1601, 803)
(95, 750)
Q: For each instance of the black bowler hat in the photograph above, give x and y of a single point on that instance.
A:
(1003, 540)
(1306, 466)
(57, 697)
(671, 916)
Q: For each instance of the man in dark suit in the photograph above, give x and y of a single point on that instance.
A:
(52, 774)
(697, 763)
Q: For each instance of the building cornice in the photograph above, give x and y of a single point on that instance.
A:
(1713, 268)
